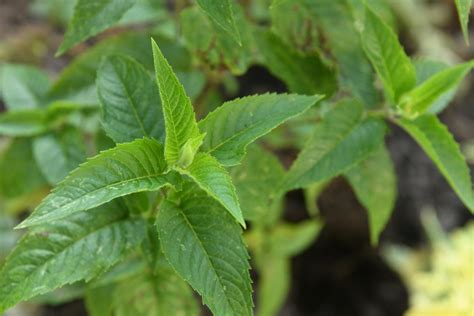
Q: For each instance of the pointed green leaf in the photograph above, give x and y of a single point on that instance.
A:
(23, 122)
(210, 176)
(79, 247)
(237, 123)
(92, 17)
(440, 146)
(204, 245)
(375, 185)
(221, 13)
(128, 168)
(464, 10)
(339, 142)
(387, 56)
(421, 98)
(131, 106)
(180, 121)
(302, 73)
(23, 87)
(58, 153)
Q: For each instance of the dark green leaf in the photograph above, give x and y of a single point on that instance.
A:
(237, 123)
(440, 146)
(131, 106)
(203, 243)
(339, 142)
(92, 17)
(77, 248)
(128, 168)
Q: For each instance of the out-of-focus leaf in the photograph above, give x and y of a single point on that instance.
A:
(221, 13)
(464, 10)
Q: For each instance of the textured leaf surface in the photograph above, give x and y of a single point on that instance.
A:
(210, 176)
(58, 153)
(77, 248)
(180, 121)
(336, 22)
(464, 9)
(340, 141)
(440, 146)
(256, 181)
(23, 122)
(91, 17)
(204, 245)
(221, 13)
(127, 168)
(237, 123)
(387, 56)
(375, 185)
(421, 98)
(23, 87)
(302, 73)
(131, 106)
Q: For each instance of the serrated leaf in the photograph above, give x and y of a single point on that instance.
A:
(387, 56)
(23, 122)
(256, 181)
(344, 42)
(421, 98)
(237, 123)
(440, 146)
(128, 168)
(204, 245)
(221, 13)
(464, 9)
(19, 174)
(302, 73)
(79, 247)
(375, 185)
(210, 176)
(58, 153)
(339, 142)
(23, 87)
(180, 121)
(131, 106)
(91, 17)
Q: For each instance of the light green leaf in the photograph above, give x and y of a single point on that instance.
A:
(131, 106)
(302, 73)
(464, 9)
(375, 185)
(58, 153)
(256, 181)
(210, 176)
(273, 286)
(180, 121)
(128, 168)
(92, 17)
(23, 122)
(221, 13)
(204, 245)
(77, 248)
(288, 240)
(387, 56)
(344, 43)
(440, 146)
(23, 87)
(237, 123)
(421, 98)
(339, 142)
(19, 174)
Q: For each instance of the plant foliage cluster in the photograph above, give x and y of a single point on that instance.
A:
(172, 176)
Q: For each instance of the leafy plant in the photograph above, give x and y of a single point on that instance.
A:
(172, 176)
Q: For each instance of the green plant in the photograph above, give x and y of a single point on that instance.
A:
(161, 204)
